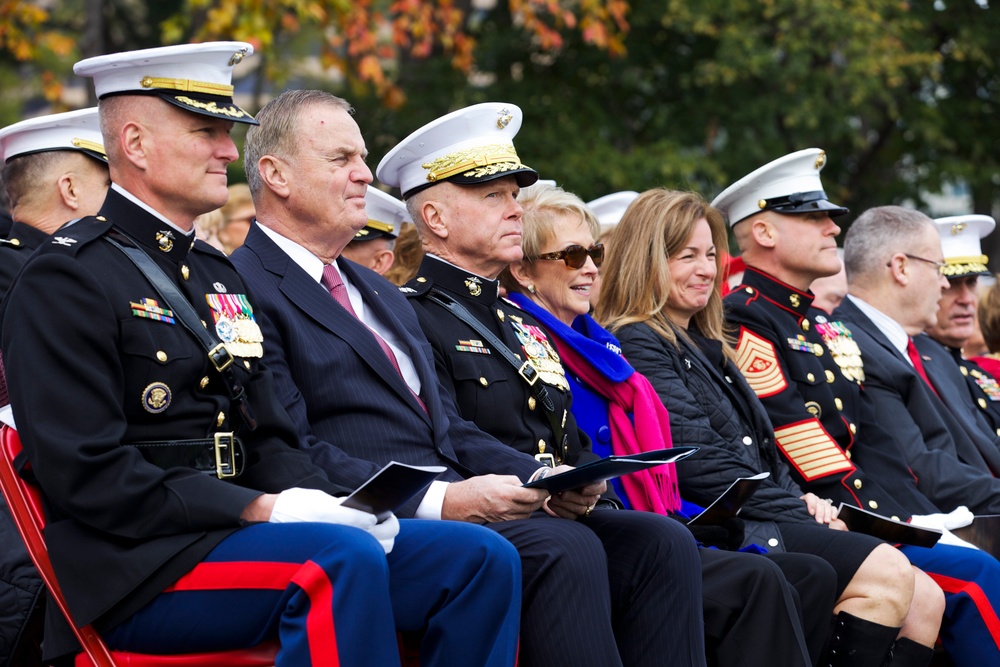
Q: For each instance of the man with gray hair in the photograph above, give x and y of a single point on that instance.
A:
(894, 261)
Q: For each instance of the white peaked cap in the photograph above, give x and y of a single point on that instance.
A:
(789, 184)
(468, 146)
(71, 131)
(960, 236)
(194, 77)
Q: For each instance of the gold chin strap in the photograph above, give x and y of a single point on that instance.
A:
(89, 145)
(187, 86)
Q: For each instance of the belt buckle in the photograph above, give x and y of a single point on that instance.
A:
(224, 443)
(216, 353)
(546, 459)
(529, 373)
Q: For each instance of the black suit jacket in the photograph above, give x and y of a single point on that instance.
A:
(947, 465)
(341, 389)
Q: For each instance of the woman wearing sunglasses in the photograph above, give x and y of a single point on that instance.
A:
(622, 414)
(662, 299)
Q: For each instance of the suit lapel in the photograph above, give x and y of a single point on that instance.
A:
(315, 302)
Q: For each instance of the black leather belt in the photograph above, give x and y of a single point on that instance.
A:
(222, 455)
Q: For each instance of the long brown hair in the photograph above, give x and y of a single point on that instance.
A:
(636, 274)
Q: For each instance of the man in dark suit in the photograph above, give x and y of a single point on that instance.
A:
(894, 288)
(358, 377)
(181, 516)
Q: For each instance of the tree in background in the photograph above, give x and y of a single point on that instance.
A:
(902, 95)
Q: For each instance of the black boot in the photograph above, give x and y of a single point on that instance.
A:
(855, 642)
(908, 653)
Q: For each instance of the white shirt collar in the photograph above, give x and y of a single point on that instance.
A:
(888, 326)
(152, 211)
(310, 263)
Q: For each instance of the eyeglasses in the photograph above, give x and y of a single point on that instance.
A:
(575, 256)
(940, 266)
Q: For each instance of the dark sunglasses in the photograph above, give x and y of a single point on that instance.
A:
(575, 256)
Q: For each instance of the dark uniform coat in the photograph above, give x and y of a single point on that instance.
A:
(806, 369)
(949, 468)
(95, 362)
(486, 387)
(968, 392)
(14, 251)
(20, 584)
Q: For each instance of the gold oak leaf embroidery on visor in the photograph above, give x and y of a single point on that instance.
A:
(757, 360)
(811, 450)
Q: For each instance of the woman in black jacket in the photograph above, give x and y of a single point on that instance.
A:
(661, 297)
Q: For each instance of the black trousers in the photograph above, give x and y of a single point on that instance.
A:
(616, 588)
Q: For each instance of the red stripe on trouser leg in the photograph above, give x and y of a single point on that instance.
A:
(319, 623)
(236, 576)
(978, 597)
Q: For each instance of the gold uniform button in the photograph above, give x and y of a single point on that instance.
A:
(421, 280)
(220, 419)
(102, 218)
(805, 325)
(848, 453)
(246, 363)
(839, 403)
(965, 371)
(483, 381)
(749, 290)
(894, 517)
(982, 403)
(532, 402)
(203, 383)
(830, 377)
(873, 504)
(854, 429)
(818, 350)
(810, 377)
(857, 484)
(185, 271)
(161, 355)
(541, 445)
(15, 242)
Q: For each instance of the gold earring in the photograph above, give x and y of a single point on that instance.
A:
(531, 288)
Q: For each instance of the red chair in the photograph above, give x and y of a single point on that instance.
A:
(25, 503)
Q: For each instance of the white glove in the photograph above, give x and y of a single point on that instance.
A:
(959, 517)
(299, 505)
(386, 532)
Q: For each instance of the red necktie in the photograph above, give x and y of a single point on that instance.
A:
(911, 351)
(334, 283)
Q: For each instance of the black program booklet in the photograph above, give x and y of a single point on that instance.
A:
(882, 527)
(391, 487)
(729, 504)
(608, 468)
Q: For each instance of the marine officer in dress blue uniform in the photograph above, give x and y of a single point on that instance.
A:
(54, 171)
(809, 372)
(181, 517)
(971, 393)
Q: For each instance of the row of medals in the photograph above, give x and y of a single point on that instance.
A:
(241, 336)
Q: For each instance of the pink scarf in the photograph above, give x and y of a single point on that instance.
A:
(653, 490)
